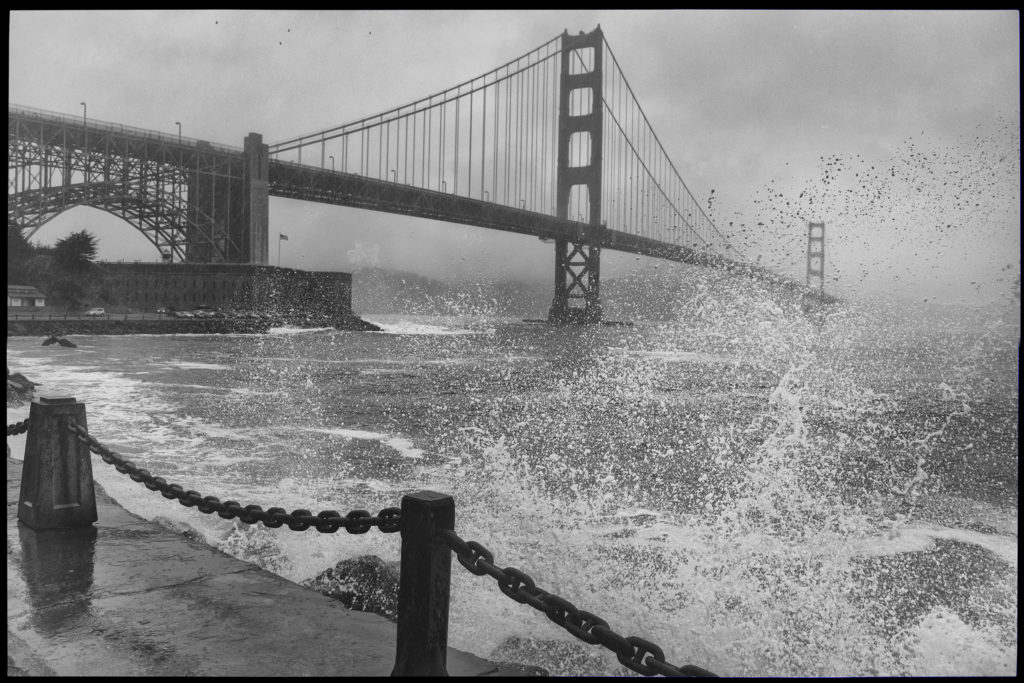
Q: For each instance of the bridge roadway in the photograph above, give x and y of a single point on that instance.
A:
(308, 183)
(298, 181)
(128, 597)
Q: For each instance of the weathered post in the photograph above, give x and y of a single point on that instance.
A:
(424, 585)
(56, 480)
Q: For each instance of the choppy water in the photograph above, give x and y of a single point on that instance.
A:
(755, 493)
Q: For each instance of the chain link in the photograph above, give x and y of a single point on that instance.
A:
(17, 428)
(387, 520)
(637, 654)
(633, 652)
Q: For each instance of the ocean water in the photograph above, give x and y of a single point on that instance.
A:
(756, 491)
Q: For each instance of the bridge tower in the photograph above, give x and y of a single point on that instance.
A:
(577, 261)
(816, 255)
(230, 200)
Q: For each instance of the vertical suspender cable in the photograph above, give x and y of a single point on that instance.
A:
(483, 144)
(544, 140)
(519, 131)
(458, 134)
(469, 184)
(494, 150)
(508, 133)
(531, 137)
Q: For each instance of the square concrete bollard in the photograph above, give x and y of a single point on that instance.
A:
(57, 489)
(424, 585)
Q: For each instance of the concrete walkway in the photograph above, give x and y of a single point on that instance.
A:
(130, 598)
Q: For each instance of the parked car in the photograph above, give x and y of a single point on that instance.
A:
(162, 311)
(183, 314)
(95, 313)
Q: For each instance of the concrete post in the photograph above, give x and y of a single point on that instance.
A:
(56, 482)
(424, 585)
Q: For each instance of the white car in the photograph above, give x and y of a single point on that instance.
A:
(95, 313)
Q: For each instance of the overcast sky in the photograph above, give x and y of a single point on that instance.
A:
(899, 130)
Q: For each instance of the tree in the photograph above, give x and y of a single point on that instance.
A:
(74, 254)
(72, 269)
(19, 251)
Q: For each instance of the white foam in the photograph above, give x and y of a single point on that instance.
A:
(408, 327)
(404, 446)
(185, 365)
(678, 356)
(922, 536)
(287, 329)
(245, 391)
(942, 644)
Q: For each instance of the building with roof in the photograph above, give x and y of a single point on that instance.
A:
(24, 296)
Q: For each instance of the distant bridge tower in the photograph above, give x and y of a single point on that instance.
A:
(816, 255)
(580, 125)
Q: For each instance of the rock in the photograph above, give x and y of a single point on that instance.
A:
(182, 528)
(366, 583)
(574, 657)
(19, 388)
(54, 339)
(354, 323)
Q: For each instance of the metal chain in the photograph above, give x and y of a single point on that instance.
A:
(633, 652)
(17, 428)
(387, 520)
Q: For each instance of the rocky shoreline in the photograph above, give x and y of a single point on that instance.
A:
(369, 584)
(47, 328)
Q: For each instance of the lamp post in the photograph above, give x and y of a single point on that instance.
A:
(84, 110)
(332, 163)
(178, 124)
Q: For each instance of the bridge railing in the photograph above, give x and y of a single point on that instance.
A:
(68, 119)
(58, 445)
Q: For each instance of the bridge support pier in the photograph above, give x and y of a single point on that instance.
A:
(580, 120)
(577, 276)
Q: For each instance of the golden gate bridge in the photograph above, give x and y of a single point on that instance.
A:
(552, 144)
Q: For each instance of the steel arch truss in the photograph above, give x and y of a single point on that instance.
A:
(151, 183)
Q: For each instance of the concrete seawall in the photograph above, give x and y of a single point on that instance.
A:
(127, 597)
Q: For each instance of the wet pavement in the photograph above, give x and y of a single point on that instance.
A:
(127, 597)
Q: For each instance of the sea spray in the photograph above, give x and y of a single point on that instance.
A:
(770, 569)
(732, 486)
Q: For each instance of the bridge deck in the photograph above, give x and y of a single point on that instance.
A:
(296, 181)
